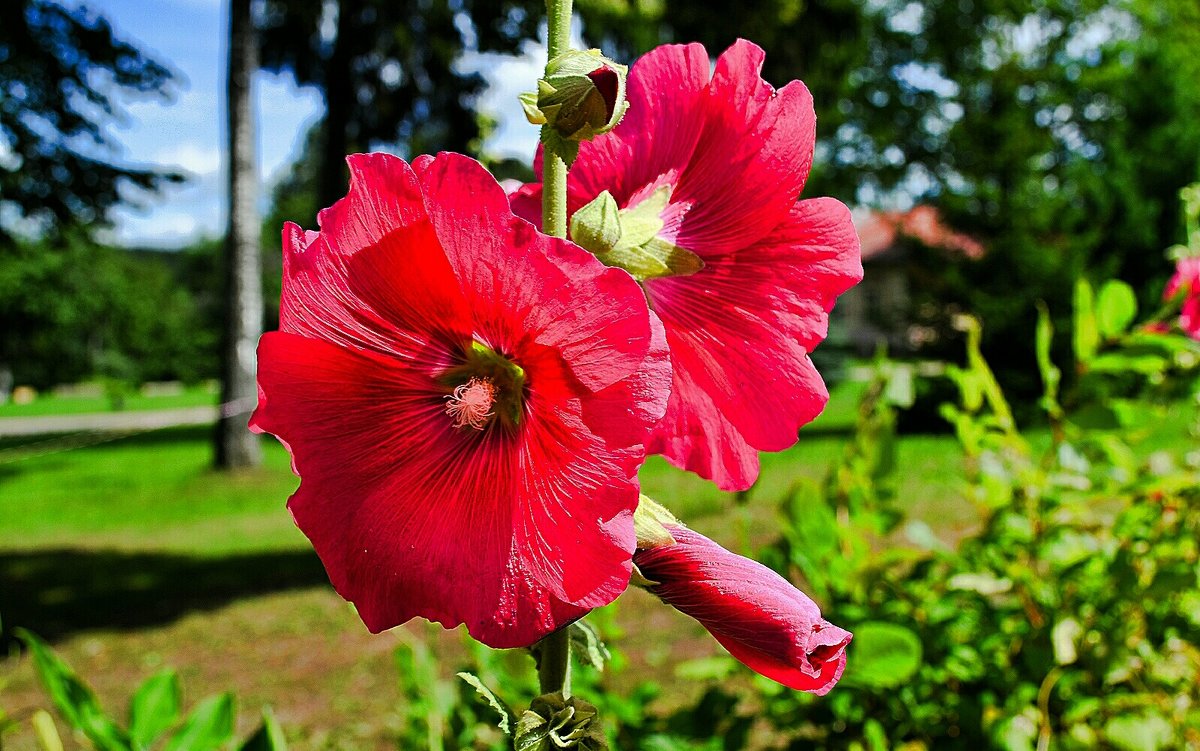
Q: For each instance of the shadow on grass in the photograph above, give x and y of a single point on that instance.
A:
(56, 593)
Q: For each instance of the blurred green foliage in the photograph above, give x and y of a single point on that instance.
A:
(1057, 133)
(75, 310)
(155, 713)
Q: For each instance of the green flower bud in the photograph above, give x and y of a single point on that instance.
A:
(581, 96)
(553, 723)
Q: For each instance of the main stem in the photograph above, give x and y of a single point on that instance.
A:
(554, 660)
(554, 663)
(554, 169)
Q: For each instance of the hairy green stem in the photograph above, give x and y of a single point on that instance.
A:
(554, 652)
(554, 663)
(554, 169)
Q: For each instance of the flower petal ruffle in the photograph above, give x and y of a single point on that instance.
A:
(513, 532)
(740, 331)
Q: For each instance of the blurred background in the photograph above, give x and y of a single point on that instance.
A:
(1000, 499)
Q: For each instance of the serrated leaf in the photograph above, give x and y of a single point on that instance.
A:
(154, 708)
(1116, 307)
(492, 700)
(209, 726)
(268, 737)
(73, 698)
(883, 655)
(587, 645)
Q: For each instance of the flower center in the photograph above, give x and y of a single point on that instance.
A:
(484, 387)
(471, 403)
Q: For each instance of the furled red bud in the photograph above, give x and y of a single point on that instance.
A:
(581, 96)
(765, 622)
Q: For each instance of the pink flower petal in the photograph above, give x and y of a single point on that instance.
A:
(541, 279)
(667, 100)
(514, 529)
(740, 331)
(382, 511)
(750, 162)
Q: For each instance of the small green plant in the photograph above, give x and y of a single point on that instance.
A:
(155, 713)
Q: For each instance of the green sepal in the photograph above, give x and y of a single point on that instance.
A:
(597, 226)
(650, 522)
(628, 238)
(553, 722)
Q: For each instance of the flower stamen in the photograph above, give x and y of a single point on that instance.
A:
(471, 403)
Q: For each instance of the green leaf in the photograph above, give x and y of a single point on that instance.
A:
(982, 583)
(883, 655)
(492, 700)
(1116, 307)
(1147, 732)
(268, 737)
(587, 645)
(1016, 733)
(73, 698)
(1114, 362)
(1051, 375)
(154, 708)
(1086, 337)
(209, 726)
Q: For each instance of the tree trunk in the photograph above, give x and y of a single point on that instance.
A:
(339, 101)
(236, 446)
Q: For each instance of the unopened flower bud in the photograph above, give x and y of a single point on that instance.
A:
(553, 723)
(581, 96)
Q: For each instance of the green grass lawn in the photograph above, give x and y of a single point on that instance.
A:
(157, 490)
(133, 554)
(49, 404)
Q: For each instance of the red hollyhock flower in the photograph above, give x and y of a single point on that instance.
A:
(762, 620)
(465, 401)
(733, 154)
(1186, 284)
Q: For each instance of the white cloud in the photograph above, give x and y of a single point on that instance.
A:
(197, 158)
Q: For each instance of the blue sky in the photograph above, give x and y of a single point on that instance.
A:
(187, 132)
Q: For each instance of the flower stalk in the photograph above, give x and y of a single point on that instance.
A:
(554, 663)
(554, 169)
(554, 651)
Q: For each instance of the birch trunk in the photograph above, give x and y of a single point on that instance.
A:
(236, 446)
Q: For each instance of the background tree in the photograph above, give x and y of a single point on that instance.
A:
(1058, 132)
(236, 446)
(60, 73)
(388, 73)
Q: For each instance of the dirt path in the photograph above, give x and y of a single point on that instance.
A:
(13, 427)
